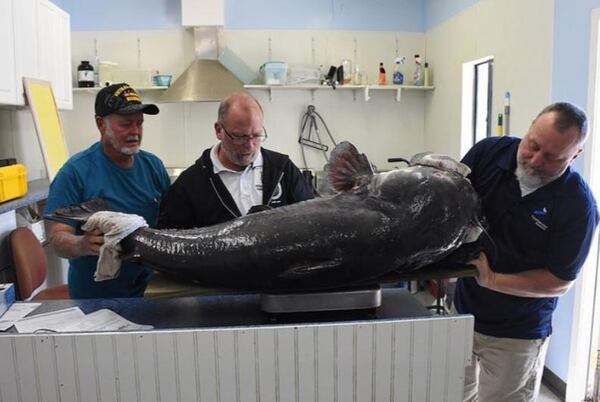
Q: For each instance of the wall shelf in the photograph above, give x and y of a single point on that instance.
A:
(37, 190)
(365, 89)
(94, 90)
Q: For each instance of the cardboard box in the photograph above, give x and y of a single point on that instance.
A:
(7, 296)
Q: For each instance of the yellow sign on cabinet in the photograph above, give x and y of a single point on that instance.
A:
(47, 124)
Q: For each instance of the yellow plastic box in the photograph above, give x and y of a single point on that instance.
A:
(13, 182)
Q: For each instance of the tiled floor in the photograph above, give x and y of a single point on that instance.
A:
(547, 396)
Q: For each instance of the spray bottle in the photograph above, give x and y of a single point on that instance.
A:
(398, 77)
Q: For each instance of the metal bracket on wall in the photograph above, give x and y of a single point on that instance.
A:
(367, 89)
(398, 94)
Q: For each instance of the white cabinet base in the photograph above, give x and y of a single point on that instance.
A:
(396, 360)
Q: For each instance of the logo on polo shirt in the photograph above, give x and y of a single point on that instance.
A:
(277, 193)
(537, 215)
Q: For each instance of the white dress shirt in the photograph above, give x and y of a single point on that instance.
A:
(245, 186)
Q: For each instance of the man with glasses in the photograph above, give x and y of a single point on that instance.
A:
(235, 176)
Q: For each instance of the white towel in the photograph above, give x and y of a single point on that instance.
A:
(115, 226)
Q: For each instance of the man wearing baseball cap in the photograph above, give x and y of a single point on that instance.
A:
(114, 169)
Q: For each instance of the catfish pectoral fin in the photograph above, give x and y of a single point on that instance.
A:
(130, 256)
(128, 250)
(308, 268)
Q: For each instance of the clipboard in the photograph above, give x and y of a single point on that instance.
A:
(48, 126)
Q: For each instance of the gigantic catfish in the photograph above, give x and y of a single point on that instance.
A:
(400, 220)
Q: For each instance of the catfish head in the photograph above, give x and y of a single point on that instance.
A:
(433, 189)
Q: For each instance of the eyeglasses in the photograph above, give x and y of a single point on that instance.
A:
(244, 139)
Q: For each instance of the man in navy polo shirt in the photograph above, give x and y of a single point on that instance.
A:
(541, 217)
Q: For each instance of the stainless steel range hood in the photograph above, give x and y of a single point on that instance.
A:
(206, 79)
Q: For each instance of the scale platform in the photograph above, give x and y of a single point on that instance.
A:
(327, 300)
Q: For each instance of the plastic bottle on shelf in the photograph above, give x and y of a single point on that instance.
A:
(427, 75)
(347, 65)
(418, 74)
(357, 77)
(322, 80)
(398, 77)
(96, 67)
(382, 80)
(85, 75)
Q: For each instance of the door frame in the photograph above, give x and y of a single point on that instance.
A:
(585, 332)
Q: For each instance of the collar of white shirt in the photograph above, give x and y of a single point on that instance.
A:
(218, 166)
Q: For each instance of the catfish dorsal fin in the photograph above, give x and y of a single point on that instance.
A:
(347, 169)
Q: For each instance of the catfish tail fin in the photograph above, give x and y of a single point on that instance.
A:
(78, 213)
(347, 169)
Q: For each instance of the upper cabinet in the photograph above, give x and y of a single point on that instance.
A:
(197, 13)
(8, 88)
(36, 38)
(54, 51)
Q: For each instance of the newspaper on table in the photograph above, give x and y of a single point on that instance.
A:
(16, 312)
(54, 321)
(104, 320)
(66, 320)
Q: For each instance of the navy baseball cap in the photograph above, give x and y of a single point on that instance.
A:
(121, 99)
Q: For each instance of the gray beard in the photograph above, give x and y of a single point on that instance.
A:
(124, 150)
(533, 180)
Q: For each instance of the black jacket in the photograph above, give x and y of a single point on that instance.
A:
(199, 198)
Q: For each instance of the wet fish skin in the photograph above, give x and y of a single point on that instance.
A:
(400, 220)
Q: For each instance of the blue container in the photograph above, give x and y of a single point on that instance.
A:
(274, 73)
(162, 80)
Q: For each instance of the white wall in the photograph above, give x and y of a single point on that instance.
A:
(381, 127)
(519, 36)
(18, 139)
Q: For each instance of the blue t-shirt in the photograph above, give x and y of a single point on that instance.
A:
(550, 228)
(137, 190)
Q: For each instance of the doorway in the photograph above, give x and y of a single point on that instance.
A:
(476, 119)
(583, 380)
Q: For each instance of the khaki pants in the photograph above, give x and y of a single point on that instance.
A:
(505, 369)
